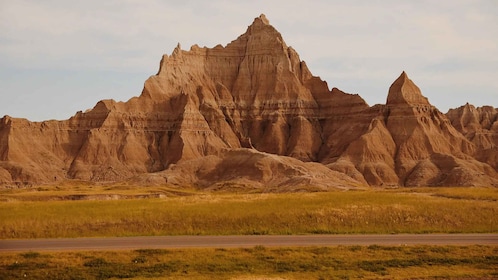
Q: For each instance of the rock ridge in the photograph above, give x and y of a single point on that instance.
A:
(251, 115)
(404, 91)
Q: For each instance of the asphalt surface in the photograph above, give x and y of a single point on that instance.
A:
(238, 241)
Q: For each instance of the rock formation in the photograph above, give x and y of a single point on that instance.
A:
(251, 115)
(479, 126)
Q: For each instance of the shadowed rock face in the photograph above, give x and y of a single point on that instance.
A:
(251, 115)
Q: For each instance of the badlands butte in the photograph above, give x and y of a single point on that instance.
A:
(250, 115)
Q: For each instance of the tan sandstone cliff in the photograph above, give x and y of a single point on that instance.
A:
(479, 126)
(251, 115)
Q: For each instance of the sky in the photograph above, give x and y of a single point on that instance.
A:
(58, 57)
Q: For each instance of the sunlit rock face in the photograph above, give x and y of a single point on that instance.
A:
(250, 114)
(479, 126)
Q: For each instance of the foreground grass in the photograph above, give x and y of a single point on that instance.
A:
(469, 210)
(343, 262)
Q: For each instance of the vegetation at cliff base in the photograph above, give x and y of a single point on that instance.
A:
(425, 210)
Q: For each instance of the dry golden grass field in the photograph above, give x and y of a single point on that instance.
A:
(161, 211)
(93, 210)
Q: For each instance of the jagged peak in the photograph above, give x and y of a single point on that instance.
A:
(260, 23)
(261, 20)
(105, 105)
(6, 120)
(469, 107)
(178, 50)
(405, 91)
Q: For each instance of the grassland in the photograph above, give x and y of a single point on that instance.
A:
(343, 262)
(42, 212)
(53, 212)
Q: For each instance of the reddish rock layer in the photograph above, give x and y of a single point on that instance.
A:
(251, 114)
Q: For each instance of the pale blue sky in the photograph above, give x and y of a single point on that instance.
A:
(58, 56)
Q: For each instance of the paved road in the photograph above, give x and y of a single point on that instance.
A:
(165, 242)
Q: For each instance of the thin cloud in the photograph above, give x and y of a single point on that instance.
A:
(359, 46)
